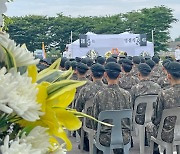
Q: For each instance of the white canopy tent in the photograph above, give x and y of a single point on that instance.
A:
(102, 43)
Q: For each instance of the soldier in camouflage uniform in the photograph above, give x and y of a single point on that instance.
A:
(167, 99)
(81, 73)
(87, 94)
(144, 87)
(154, 76)
(127, 80)
(74, 68)
(136, 62)
(112, 98)
(157, 67)
(163, 80)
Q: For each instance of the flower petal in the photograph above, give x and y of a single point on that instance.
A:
(67, 119)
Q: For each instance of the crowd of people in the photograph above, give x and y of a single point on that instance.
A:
(115, 83)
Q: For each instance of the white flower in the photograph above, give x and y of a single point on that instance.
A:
(23, 99)
(38, 138)
(22, 56)
(18, 95)
(60, 150)
(17, 148)
(7, 84)
(36, 142)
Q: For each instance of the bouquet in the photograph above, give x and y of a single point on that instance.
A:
(34, 106)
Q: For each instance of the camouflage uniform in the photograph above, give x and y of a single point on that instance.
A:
(144, 87)
(164, 82)
(112, 98)
(127, 81)
(157, 68)
(154, 76)
(79, 88)
(74, 77)
(134, 70)
(167, 99)
(88, 93)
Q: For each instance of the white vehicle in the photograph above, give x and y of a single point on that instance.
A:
(133, 44)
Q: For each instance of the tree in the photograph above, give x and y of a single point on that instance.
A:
(55, 31)
(158, 19)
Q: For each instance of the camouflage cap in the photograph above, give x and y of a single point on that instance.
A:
(112, 67)
(144, 69)
(97, 68)
(174, 69)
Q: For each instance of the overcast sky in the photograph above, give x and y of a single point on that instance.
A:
(90, 8)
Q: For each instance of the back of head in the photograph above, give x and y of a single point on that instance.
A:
(78, 59)
(142, 59)
(84, 60)
(82, 68)
(89, 62)
(113, 70)
(97, 70)
(173, 68)
(73, 65)
(165, 63)
(144, 69)
(127, 65)
(151, 63)
(67, 64)
(136, 60)
(130, 57)
(111, 59)
(101, 60)
(155, 59)
(63, 60)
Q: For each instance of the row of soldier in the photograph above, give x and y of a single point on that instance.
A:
(115, 83)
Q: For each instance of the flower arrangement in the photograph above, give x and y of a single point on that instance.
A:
(34, 106)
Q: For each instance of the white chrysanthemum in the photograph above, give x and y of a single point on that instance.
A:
(60, 150)
(38, 138)
(16, 147)
(22, 56)
(23, 99)
(7, 84)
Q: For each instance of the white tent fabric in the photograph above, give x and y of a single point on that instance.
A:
(102, 43)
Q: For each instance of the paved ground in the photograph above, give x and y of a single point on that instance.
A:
(134, 150)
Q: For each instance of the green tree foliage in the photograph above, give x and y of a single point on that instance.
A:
(55, 31)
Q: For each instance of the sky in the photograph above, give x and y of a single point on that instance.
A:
(90, 8)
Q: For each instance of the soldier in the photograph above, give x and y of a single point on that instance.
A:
(127, 80)
(157, 67)
(154, 76)
(136, 61)
(81, 73)
(101, 60)
(163, 80)
(144, 87)
(67, 65)
(167, 99)
(74, 68)
(62, 64)
(112, 98)
(88, 93)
